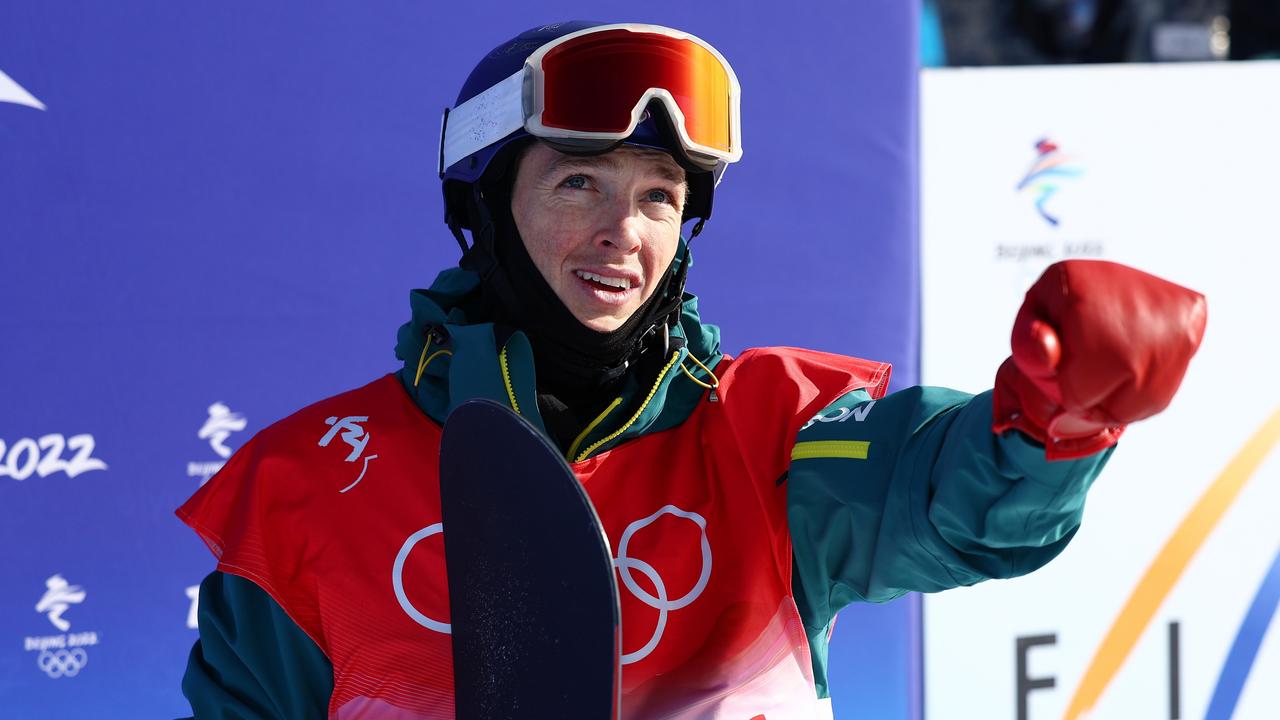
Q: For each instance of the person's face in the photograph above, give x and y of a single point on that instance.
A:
(600, 229)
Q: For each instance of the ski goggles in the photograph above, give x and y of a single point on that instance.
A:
(587, 91)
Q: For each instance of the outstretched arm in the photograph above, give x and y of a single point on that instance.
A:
(938, 501)
(929, 488)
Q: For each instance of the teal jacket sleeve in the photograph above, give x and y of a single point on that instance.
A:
(914, 492)
(251, 660)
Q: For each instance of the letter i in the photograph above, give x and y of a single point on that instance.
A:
(1175, 672)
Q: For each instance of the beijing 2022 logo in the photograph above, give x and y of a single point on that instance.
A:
(216, 430)
(66, 654)
(1045, 176)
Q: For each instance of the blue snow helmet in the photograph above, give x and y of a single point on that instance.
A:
(497, 98)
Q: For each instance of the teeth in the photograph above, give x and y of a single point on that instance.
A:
(620, 283)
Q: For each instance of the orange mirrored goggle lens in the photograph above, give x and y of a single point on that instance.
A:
(592, 83)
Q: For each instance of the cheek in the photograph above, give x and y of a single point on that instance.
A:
(544, 228)
(663, 239)
(547, 240)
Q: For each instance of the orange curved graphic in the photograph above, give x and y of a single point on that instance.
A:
(1168, 566)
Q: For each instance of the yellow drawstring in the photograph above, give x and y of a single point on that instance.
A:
(715, 381)
(424, 361)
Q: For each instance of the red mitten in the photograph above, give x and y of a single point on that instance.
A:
(1096, 345)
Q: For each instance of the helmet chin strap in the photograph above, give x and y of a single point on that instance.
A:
(674, 302)
(481, 257)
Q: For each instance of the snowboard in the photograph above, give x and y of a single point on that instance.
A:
(532, 594)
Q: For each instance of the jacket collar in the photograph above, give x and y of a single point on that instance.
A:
(450, 358)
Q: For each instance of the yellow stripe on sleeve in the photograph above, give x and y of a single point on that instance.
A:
(849, 449)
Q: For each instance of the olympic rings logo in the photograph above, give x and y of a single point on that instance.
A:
(397, 580)
(624, 563)
(661, 602)
(62, 663)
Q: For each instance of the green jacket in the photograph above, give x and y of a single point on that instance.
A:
(942, 503)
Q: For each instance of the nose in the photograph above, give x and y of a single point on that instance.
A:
(620, 226)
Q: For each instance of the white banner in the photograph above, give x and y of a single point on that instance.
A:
(1161, 606)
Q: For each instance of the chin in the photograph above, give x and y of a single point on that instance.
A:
(602, 324)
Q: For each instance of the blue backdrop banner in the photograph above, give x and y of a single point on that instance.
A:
(211, 215)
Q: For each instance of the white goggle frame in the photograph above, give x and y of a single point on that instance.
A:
(517, 102)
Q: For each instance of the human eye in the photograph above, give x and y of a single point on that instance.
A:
(660, 196)
(575, 182)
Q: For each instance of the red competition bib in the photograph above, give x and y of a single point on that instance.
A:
(335, 512)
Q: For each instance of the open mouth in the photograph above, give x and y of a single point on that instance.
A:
(605, 284)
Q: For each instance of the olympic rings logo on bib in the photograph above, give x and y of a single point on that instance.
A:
(397, 581)
(624, 563)
(663, 604)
